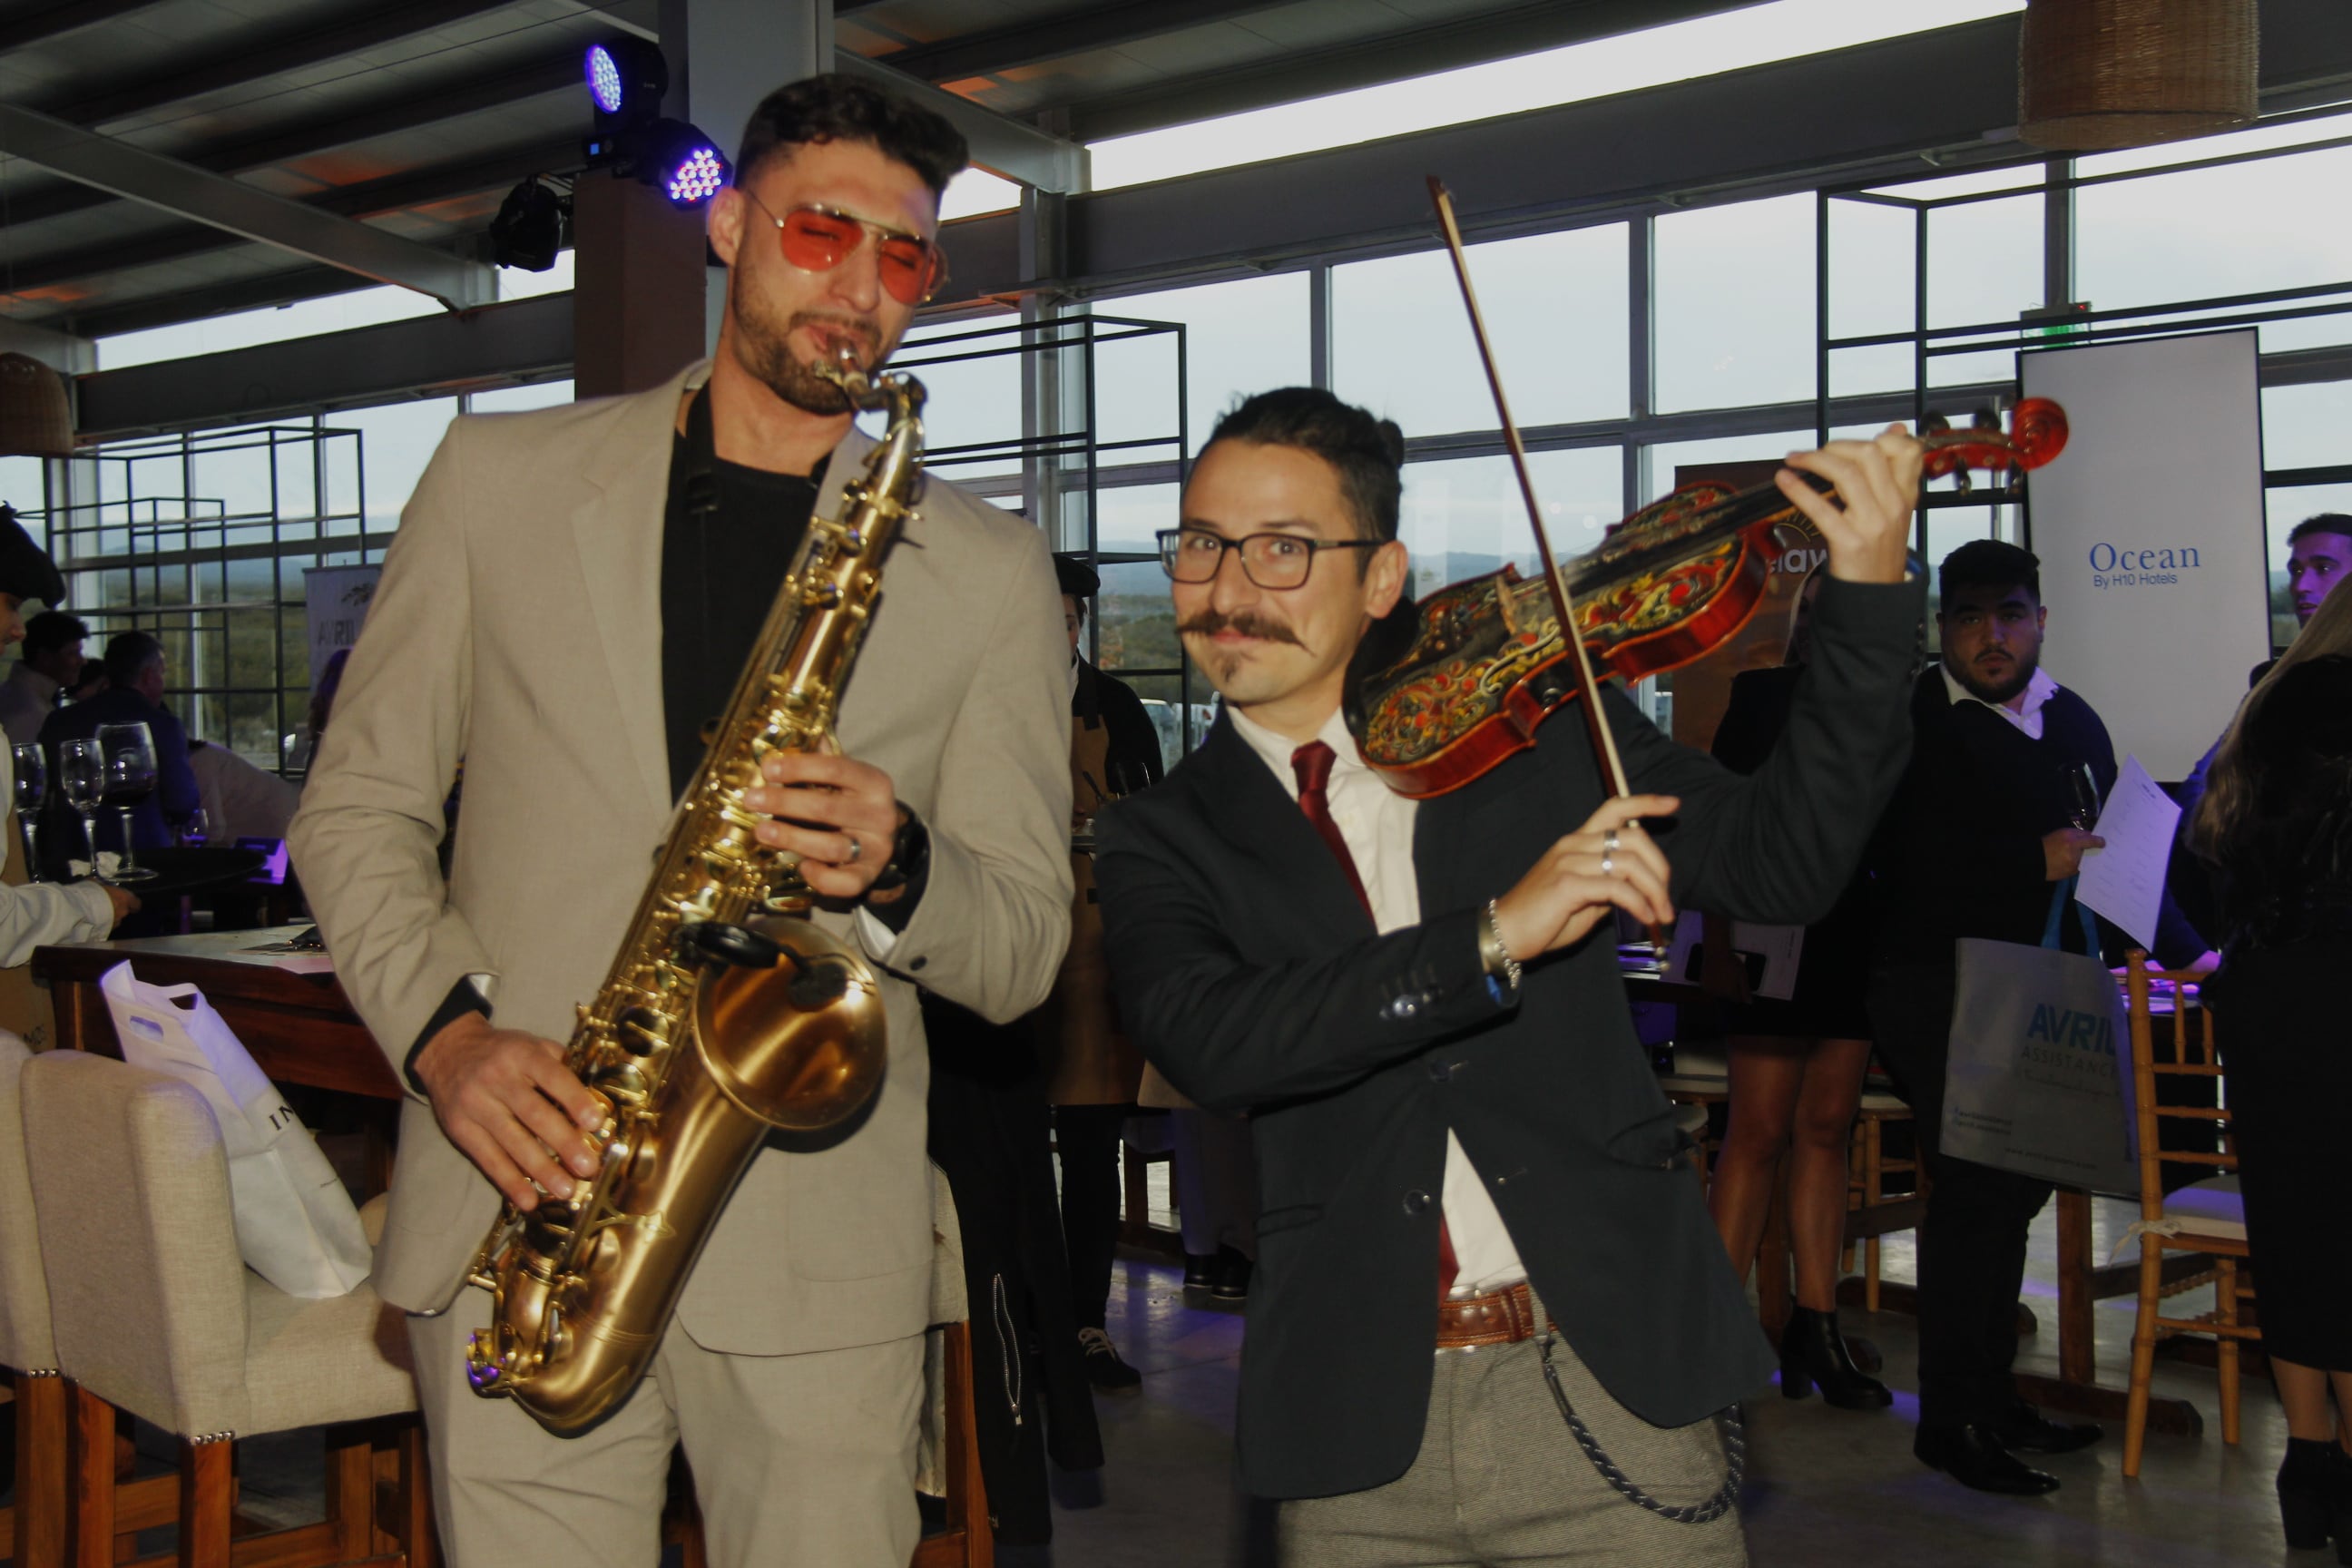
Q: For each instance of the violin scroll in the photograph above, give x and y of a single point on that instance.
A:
(2037, 433)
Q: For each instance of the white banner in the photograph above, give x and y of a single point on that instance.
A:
(338, 599)
(2149, 527)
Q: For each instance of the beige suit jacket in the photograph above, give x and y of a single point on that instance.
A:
(518, 626)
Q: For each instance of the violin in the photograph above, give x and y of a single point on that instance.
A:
(1447, 689)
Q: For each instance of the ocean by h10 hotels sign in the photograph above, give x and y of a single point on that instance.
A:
(2149, 528)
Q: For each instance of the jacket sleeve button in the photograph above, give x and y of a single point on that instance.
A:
(1416, 1204)
(1439, 1072)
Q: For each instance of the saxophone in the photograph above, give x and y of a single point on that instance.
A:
(727, 1012)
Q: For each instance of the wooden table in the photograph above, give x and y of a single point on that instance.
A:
(288, 1009)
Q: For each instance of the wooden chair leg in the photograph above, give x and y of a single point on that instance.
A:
(403, 1500)
(2143, 1372)
(90, 1466)
(967, 1493)
(207, 1498)
(350, 1491)
(2225, 1311)
(37, 1539)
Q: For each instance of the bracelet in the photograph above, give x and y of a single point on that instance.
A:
(1496, 957)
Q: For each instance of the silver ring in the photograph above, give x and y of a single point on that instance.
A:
(856, 847)
(1608, 865)
(1609, 842)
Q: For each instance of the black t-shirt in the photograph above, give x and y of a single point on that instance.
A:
(721, 570)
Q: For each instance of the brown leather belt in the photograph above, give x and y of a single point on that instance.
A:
(1503, 1318)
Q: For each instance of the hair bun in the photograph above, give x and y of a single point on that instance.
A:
(1392, 442)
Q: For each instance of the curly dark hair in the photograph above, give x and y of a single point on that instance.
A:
(836, 108)
(1367, 452)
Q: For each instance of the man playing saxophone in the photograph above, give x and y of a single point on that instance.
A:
(566, 607)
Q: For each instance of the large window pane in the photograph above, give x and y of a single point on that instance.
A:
(1984, 265)
(303, 319)
(975, 398)
(1240, 338)
(395, 442)
(2243, 228)
(1465, 517)
(2308, 427)
(21, 484)
(1127, 516)
(1735, 304)
(1555, 303)
(1872, 252)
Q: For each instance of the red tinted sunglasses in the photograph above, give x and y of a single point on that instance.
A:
(818, 239)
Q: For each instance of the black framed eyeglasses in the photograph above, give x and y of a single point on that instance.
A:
(1275, 560)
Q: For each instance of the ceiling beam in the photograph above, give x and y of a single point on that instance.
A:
(1017, 151)
(293, 50)
(288, 143)
(62, 351)
(416, 187)
(42, 22)
(1062, 34)
(222, 202)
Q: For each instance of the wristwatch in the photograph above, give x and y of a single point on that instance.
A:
(911, 856)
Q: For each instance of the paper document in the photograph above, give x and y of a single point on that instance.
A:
(1769, 955)
(2124, 881)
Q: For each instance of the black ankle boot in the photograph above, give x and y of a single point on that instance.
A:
(2314, 1493)
(1813, 1351)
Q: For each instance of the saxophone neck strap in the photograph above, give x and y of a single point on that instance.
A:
(701, 457)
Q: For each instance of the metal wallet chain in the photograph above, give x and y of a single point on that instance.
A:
(1735, 1453)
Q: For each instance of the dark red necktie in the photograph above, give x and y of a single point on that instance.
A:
(1312, 764)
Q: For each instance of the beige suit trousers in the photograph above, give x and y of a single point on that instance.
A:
(799, 1461)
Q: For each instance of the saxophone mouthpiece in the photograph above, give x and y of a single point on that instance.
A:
(843, 369)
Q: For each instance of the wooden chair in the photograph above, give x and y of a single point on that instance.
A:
(33, 1528)
(1872, 1211)
(2205, 1218)
(157, 1315)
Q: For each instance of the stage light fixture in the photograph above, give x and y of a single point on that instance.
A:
(528, 233)
(683, 163)
(627, 78)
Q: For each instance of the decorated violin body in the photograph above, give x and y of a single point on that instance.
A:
(1437, 702)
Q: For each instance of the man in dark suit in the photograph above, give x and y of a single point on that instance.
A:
(1459, 1140)
(1987, 824)
(133, 695)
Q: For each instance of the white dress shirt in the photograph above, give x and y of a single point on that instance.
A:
(2025, 716)
(1376, 824)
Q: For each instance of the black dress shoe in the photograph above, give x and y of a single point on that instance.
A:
(1973, 1456)
(1105, 1370)
(1200, 1270)
(1233, 1276)
(1813, 1352)
(2026, 1430)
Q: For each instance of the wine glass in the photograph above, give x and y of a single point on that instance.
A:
(82, 774)
(130, 752)
(2084, 783)
(31, 773)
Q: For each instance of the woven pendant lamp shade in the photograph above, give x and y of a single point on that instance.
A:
(34, 419)
(2096, 74)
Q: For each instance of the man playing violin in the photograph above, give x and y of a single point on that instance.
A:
(1460, 1142)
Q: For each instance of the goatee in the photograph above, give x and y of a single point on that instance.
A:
(762, 347)
(2002, 692)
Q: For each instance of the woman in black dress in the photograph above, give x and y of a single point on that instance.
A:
(1796, 1070)
(2277, 821)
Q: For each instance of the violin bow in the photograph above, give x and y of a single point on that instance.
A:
(1604, 741)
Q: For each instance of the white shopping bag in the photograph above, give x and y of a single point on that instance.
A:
(2039, 1080)
(296, 1225)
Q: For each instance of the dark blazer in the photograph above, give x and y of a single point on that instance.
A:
(1252, 977)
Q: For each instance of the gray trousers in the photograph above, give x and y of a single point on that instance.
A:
(1501, 1480)
(799, 1461)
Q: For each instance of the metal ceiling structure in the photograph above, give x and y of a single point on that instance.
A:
(400, 125)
